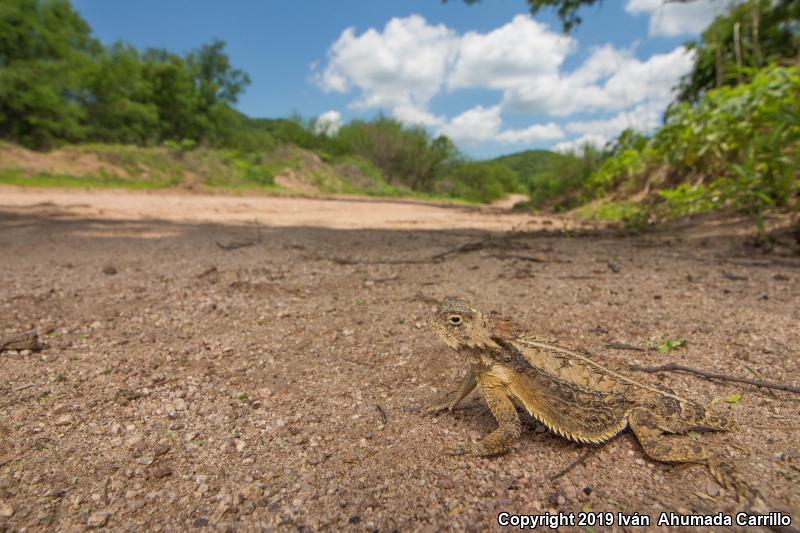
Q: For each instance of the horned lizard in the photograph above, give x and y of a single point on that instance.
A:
(570, 393)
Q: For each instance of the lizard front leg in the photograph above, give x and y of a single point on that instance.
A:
(501, 439)
(453, 398)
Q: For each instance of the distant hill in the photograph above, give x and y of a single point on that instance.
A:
(530, 163)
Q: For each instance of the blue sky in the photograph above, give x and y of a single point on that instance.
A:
(488, 75)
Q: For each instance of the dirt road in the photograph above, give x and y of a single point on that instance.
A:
(232, 363)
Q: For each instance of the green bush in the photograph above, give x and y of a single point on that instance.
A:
(482, 181)
(737, 148)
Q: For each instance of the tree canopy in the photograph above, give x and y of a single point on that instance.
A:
(59, 84)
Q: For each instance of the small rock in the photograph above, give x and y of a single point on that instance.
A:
(161, 450)
(161, 471)
(639, 461)
(98, 519)
(712, 489)
(61, 409)
(200, 522)
(179, 404)
(109, 270)
(145, 460)
(64, 420)
(6, 510)
(355, 519)
(614, 267)
(570, 492)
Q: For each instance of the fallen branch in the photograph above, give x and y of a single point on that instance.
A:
(381, 413)
(208, 271)
(347, 261)
(591, 451)
(733, 277)
(625, 346)
(235, 245)
(674, 367)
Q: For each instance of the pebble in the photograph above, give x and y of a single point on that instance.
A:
(179, 404)
(712, 489)
(64, 420)
(161, 471)
(161, 450)
(6, 510)
(145, 460)
(98, 519)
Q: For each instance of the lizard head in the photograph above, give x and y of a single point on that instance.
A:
(461, 326)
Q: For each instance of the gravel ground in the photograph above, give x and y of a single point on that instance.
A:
(206, 371)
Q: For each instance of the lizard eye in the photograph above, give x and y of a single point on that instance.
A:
(455, 319)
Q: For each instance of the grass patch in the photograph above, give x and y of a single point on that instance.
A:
(17, 177)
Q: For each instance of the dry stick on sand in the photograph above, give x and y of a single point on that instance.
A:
(235, 245)
(381, 413)
(674, 367)
(472, 246)
(580, 460)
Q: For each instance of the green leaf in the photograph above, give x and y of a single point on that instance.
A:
(733, 398)
(694, 435)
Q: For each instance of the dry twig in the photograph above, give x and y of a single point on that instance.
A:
(625, 346)
(591, 451)
(674, 367)
(381, 413)
(235, 245)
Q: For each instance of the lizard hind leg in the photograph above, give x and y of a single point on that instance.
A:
(667, 448)
(501, 439)
(693, 417)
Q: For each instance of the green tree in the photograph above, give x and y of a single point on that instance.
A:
(750, 35)
(482, 181)
(215, 78)
(121, 108)
(46, 53)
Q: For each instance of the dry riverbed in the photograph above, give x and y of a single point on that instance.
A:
(245, 363)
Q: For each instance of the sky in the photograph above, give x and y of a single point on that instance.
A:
(489, 75)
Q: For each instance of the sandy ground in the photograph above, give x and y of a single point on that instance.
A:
(232, 363)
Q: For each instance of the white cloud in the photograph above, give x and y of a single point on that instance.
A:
(609, 80)
(508, 56)
(399, 69)
(589, 138)
(402, 67)
(481, 124)
(678, 18)
(328, 122)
